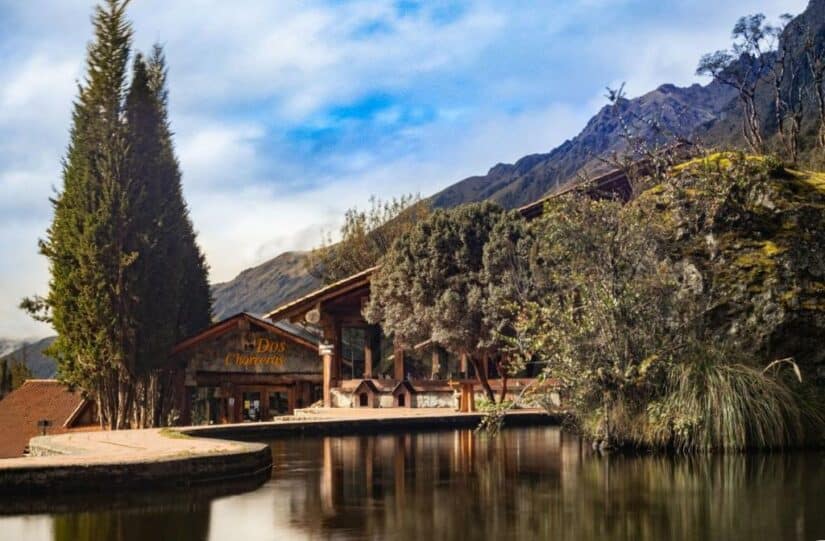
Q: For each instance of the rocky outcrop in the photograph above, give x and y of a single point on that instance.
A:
(752, 235)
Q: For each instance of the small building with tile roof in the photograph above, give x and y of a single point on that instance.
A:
(39, 402)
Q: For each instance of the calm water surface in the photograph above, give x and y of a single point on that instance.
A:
(535, 483)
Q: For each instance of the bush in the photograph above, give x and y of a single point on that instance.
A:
(713, 404)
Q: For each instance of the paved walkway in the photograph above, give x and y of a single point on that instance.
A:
(121, 446)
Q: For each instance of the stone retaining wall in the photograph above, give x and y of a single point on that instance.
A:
(254, 462)
(362, 425)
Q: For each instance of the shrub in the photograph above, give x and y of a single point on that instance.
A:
(714, 404)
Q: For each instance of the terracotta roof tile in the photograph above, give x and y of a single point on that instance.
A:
(36, 399)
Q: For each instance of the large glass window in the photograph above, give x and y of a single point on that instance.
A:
(353, 342)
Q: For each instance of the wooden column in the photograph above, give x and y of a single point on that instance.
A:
(328, 350)
(327, 353)
(398, 362)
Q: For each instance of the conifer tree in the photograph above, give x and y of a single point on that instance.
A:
(86, 243)
(175, 301)
(127, 277)
(194, 307)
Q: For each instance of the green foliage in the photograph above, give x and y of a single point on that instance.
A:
(656, 319)
(13, 372)
(127, 279)
(365, 237)
(431, 284)
(602, 321)
(715, 402)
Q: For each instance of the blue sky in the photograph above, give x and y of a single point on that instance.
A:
(286, 113)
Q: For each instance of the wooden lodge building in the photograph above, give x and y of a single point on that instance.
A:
(318, 349)
(245, 368)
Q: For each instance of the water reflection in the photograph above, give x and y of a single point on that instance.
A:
(539, 483)
(527, 484)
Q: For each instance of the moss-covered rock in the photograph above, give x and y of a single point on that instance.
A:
(751, 235)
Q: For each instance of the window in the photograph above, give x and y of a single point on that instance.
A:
(251, 406)
(353, 342)
(278, 404)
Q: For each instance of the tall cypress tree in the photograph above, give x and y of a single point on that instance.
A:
(194, 307)
(87, 242)
(174, 300)
(127, 277)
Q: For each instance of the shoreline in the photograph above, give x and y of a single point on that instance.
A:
(179, 457)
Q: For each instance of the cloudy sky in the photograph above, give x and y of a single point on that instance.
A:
(288, 112)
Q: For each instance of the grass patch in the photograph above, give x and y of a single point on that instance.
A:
(730, 407)
(167, 432)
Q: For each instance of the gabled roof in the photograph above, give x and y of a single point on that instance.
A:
(403, 385)
(35, 400)
(311, 300)
(294, 333)
(368, 384)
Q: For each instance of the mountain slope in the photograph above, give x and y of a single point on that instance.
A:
(31, 354)
(262, 288)
(726, 130)
(680, 110)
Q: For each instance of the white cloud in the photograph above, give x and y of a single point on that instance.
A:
(503, 80)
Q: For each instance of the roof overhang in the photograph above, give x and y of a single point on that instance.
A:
(297, 308)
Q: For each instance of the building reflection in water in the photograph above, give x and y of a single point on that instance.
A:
(540, 483)
(534, 483)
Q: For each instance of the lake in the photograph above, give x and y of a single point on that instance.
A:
(527, 483)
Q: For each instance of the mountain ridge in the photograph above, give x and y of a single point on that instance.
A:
(709, 111)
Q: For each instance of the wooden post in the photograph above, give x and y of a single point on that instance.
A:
(398, 363)
(327, 352)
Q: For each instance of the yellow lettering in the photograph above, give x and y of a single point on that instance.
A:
(239, 359)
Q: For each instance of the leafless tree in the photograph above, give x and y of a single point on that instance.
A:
(742, 67)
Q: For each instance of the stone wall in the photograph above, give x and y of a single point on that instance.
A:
(421, 399)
